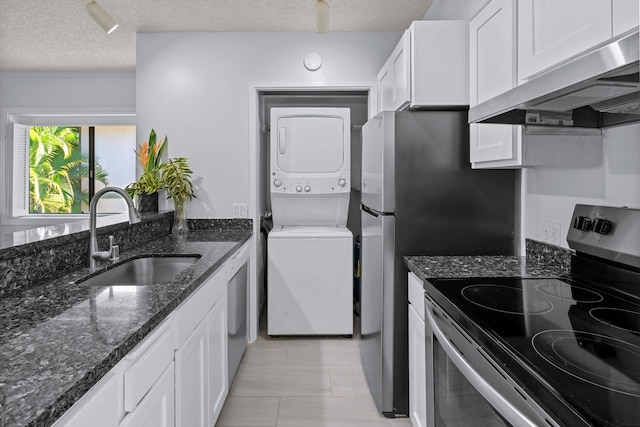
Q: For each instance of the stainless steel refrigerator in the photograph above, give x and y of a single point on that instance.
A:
(419, 197)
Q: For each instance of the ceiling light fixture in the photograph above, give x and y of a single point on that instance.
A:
(102, 18)
(322, 16)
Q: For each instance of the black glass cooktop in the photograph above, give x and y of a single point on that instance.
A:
(573, 346)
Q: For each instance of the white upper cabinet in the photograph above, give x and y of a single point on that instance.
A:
(493, 65)
(550, 31)
(492, 70)
(428, 67)
(625, 15)
(384, 88)
(399, 66)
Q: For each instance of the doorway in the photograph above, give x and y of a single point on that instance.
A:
(358, 101)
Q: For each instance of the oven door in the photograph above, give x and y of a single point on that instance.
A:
(463, 387)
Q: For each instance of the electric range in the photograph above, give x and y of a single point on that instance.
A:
(571, 345)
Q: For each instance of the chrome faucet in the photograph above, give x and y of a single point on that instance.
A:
(134, 217)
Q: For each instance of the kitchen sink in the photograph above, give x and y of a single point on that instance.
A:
(152, 270)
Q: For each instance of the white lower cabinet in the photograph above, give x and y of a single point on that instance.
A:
(201, 370)
(218, 355)
(201, 358)
(417, 353)
(192, 371)
(100, 407)
(156, 409)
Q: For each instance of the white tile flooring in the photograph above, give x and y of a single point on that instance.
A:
(302, 381)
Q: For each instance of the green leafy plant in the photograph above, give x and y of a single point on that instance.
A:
(173, 175)
(150, 157)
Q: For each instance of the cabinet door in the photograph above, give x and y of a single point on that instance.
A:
(100, 407)
(492, 70)
(439, 63)
(399, 63)
(192, 374)
(550, 31)
(384, 88)
(157, 407)
(218, 367)
(625, 15)
(417, 370)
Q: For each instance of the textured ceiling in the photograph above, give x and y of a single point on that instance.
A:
(39, 35)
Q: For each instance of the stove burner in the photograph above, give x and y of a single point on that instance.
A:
(506, 299)
(597, 359)
(618, 318)
(563, 290)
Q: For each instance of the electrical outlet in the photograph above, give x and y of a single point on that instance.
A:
(240, 210)
(551, 232)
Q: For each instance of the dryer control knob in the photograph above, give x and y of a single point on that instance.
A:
(342, 182)
(299, 188)
(307, 188)
(277, 182)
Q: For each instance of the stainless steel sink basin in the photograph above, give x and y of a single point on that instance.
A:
(142, 271)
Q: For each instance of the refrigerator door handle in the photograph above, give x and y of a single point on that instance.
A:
(370, 211)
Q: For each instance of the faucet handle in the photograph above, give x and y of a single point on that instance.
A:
(114, 250)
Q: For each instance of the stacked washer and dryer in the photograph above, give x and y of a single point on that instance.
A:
(310, 249)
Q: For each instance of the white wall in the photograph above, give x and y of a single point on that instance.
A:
(66, 93)
(195, 88)
(552, 193)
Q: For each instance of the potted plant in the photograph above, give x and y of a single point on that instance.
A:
(175, 178)
(146, 188)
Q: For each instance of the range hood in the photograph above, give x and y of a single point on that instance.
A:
(597, 90)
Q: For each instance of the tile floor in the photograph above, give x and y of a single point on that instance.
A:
(302, 381)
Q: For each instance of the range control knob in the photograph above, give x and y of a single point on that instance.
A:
(342, 182)
(307, 188)
(299, 188)
(583, 223)
(277, 183)
(602, 226)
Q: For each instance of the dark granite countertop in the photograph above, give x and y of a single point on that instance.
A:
(59, 338)
(453, 267)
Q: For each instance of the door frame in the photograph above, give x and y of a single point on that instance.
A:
(255, 89)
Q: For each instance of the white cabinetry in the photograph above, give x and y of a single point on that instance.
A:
(201, 359)
(417, 353)
(492, 60)
(192, 373)
(218, 369)
(384, 88)
(100, 407)
(492, 53)
(156, 409)
(428, 67)
(550, 31)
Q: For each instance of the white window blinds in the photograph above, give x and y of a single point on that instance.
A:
(20, 199)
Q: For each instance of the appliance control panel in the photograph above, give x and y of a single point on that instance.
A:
(606, 232)
(288, 183)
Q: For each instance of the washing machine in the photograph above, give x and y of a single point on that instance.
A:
(310, 282)
(309, 249)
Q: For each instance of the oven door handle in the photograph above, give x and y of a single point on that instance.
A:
(502, 405)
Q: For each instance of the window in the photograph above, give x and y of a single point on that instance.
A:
(58, 168)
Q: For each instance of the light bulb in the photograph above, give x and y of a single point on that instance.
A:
(102, 18)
